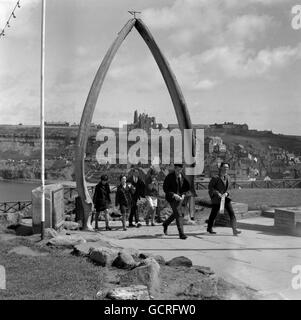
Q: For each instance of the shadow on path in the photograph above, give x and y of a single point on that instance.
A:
(269, 230)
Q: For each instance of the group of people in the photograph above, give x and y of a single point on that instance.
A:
(177, 191)
(129, 191)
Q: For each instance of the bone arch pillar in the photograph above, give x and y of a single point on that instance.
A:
(172, 86)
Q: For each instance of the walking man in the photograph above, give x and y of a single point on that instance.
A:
(175, 186)
(218, 191)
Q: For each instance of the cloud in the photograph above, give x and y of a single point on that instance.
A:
(249, 27)
(141, 74)
(212, 21)
(205, 84)
(240, 62)
(185, 20)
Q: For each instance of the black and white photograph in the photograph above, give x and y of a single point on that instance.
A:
(150, 150)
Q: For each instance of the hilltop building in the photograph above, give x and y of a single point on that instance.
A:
(144, 121)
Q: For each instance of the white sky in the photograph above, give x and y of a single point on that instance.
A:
(235, 61)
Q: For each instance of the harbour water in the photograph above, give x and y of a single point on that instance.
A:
(16, 191)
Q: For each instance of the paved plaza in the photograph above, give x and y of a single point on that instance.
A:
(260, 258)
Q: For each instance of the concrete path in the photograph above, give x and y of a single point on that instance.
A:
(259, 258)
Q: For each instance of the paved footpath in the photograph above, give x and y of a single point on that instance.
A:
(259, 258)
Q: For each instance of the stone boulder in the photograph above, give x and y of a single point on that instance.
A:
(67, 241)
(131, 251)
(133, 292)
(179, 262)
(204, 287)
(124, 261)
(148, 273)
(103, 256)
(204, 270)
(84, 249)
(158, 258)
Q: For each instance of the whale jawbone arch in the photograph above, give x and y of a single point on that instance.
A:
(83, 132)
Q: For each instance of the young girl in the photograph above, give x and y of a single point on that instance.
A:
(151, 194)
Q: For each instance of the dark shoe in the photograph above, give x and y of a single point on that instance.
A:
(138, 225)
(131, 225)
(124, 229)
(211, 231)
(108, 228)
(152, 224)
(236, 232)
(165, 229)
(183, 237)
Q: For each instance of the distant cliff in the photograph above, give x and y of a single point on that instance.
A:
(20, 148)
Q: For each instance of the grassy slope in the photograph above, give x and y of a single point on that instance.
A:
(59, 275)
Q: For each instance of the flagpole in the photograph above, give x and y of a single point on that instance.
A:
(42, 123)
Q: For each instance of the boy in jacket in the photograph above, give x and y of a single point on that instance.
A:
(102, 200)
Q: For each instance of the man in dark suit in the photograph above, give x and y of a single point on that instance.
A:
(175, 186)
(218, 191)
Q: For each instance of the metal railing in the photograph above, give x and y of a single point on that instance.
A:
(260, 184)
(14, 206)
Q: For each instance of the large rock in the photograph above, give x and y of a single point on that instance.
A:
(124, 261)
(204, 287)
(70, 225)
(179, 262)
(158, 258)
(84, 249)
(67, 241)
(147, 274)
(103, 256)
(204, 270)
(131, 251)
(138, 292)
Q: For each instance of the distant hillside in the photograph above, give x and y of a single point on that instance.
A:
(260, 141)
(23, 142)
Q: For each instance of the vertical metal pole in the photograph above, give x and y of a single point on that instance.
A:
(42, 119)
